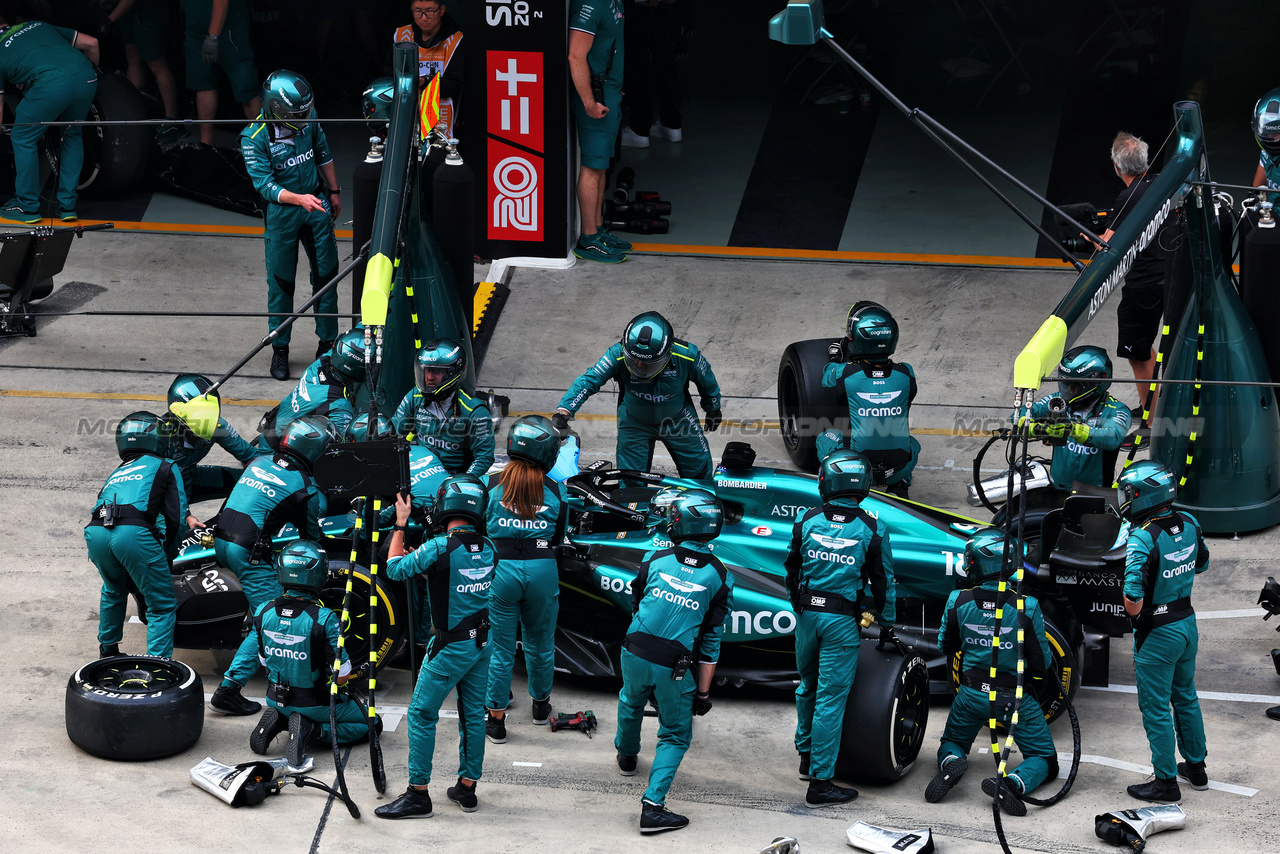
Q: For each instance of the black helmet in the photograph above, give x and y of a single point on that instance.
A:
(306, 438)
(646, 345)
(303, 565)
(1087, 362)
(440, 355)
(141, 433)
(870, 332)
(358, 430)
(346, 358)
(1266, 122)
(983, 558)
(844, 473)
(1147, 488)
(461, 496)
(287, 97)
(533, 439)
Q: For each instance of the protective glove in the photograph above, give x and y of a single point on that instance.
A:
(701, 703)
(1053, 431)
(209, 50)
(1079, 432)
(106, 28)
(713, 421)
(560, 423)
(835, 353)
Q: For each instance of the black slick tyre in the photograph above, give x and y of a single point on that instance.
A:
(805, 408)
(115, 156)
(134, 707)
(885, 717)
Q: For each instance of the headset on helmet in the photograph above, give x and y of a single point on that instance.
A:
(358, 430)
(1079, 363)
(984, 558)
(844, 473)
(646, 345)
(287, 98)
(440, 354)
(141, 433)
(1147, 488)
(305, 439)
(870, 332)
(303, 565)
(1266, 122)
(533, 439)
(375, 104)
(346, 358)
(695, 515)
(461, 496)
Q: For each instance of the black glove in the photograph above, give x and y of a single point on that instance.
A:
(713, 421)
(835, 352)
(560, 423)
(106, 28)
(701, 703)
(887, 636)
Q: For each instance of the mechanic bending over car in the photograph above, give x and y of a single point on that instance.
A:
(326, 389)
(1088, 440)
(653, 370)
(878, 393)
(1165, 552)
(206, 483)
(836, 550)
(145, 491)
(968, 629)
(681, 597)
(459, 569)
(440, 414)
(526, 518)
(297, 640)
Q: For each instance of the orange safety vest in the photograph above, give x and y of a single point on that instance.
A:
(434, 59)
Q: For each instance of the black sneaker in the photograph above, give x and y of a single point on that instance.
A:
(495, 729)
(541, 711)
(948, 775)
(301, 731)
(627, 765)
(325, 347)
(1010, 797)
(804, 764)
(1157, 790)
(108, 650)
(1274, 713)
(655, 818)
(414, 803)
(1194, 773)
(824, 793)
(271, 724)
(228, 700)
(464, 796)
(280, 362)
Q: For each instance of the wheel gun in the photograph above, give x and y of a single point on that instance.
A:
(585, 721)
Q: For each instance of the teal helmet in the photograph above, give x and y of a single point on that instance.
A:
(439, 368)
(870, 332)
(141, 433)
(375, 104)
(346, 358)
(983, 559)
(358, 430)
(695, 515)
(1087, 362)
(660, 503)
(533, 439)
(287, 98)
(461, 496)
(305, 439)
(1146, 489)
(187, 387)
(303, 565)
(1266, 122)
(646, 345)
(844, 473)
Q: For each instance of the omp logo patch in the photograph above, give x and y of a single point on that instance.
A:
(833, 542)
(878, 396)
(266, 475)
(680, 584)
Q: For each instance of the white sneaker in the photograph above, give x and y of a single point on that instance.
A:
(661, 131)
(631, 139)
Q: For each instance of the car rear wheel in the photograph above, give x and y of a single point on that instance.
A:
(885, 717)
(390, 617)
(1065, 664)
(805, 408)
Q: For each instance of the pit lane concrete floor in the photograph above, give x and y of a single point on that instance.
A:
(546, 791)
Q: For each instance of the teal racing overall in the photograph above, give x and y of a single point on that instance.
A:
(657, 410)
(269, 495)
(968, 627)
(280, 159)
(681, 597)
(425, 476)
(319, 392)
(459, 430)
(296, 640)
(526, 590)
(459, 569)
(878, 396)
(1094, 462)
(1164, 555)
(836, 550)
(134, 529)
(206, 483)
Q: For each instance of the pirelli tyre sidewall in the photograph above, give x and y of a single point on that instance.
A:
(1065, 666)
(133, 707)
(805, 408)
(885, 717)
(390, 615)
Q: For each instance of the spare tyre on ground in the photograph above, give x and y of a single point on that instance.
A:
(133, 707)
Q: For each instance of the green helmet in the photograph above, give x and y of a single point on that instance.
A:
(983, 557)
(870, 331)
(375, 104)
(1266, 122)
(646, 345)
(358, 430)
(1146, 489)
(1079, 363)
(187, 387)
(287, 97)
(346, 359)
(302, 565)
(660, 503)
(844, 473)
(461, 496)
(533, 439)
(306, 438)
(447, 362)
(695, 515)
(141, 433)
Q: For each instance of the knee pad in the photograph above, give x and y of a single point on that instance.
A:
(1052, 762)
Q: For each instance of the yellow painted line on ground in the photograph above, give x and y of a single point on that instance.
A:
(98, 395)
(834, 255)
